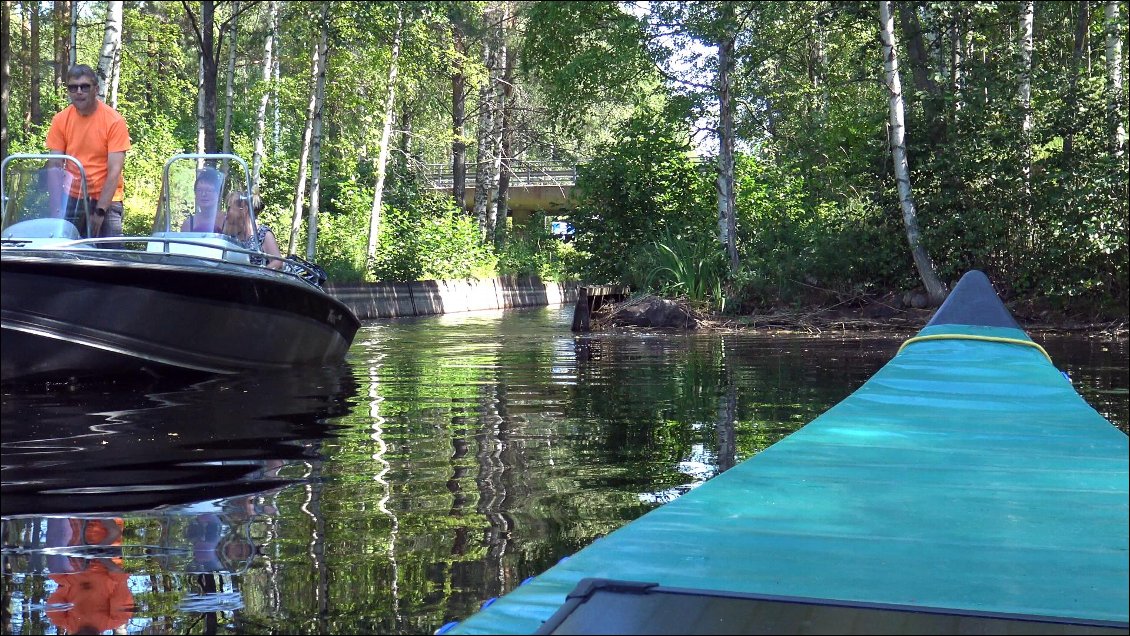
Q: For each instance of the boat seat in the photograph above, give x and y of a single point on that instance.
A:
(198, 244)
(42, 228)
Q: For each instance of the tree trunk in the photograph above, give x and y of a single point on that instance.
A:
(201, 107)
(261, 115)
(1082, 20)
(72, 42)
(934, 287)
(316, 142)
(320, 46)
(209, 67)
(506, 154)
(62, 44)
(958, 58)
(386, 135)
(496, 212)
(24, 59)
(484, 137)
(5, 74)
(1027, 10)
(154, 71)
(405, 159)
(727, 219)
(111, 48)
(115, 78)
(36, 110)
(918, 54)
(1114, 79)
(229, 93)
(458, 119)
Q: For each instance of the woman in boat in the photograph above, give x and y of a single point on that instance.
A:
(209, 183)
(237, 225)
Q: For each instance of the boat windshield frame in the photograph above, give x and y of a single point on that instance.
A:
(181, 207)
(36, 190)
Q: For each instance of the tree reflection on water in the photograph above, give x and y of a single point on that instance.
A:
(451, 458)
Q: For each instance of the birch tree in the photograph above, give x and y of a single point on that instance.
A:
(386, 135)
(922, 261)
(108, 55)
(727, 218)
(506, 128)
(316, 141)
(317, 68)
(1114, 78)
(485, 151)
(1027, 10)
(264, 99)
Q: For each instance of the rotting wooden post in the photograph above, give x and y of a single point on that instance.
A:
(582, 310)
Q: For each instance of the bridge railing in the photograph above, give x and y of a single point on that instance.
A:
(522, 174)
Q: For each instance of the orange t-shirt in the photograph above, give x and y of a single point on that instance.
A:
(93, 601)
(89, 139)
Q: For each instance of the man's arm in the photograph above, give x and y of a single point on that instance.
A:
(115, 161)
(55, 163)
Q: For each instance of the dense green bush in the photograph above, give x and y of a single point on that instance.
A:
(643, 188)
(432, 240)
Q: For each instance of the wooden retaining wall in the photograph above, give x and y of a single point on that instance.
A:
(431, 297)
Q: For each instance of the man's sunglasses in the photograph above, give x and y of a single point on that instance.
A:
(79, 88)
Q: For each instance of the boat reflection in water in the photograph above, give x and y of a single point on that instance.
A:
(122, 499)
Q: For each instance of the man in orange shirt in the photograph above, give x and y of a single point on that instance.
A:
(97, 136)
(93, 593)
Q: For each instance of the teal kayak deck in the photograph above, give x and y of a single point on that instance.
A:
(967, 473)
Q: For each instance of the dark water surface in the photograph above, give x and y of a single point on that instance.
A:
(448, 460)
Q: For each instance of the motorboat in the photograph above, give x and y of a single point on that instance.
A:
(185, 298)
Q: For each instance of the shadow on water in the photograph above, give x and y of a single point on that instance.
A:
(122, 447)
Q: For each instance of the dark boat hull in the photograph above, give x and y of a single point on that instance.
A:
(81, 313)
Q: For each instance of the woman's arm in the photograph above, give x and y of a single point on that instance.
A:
(271, 248)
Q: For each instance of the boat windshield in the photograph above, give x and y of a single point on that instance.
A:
(44, 196)
(197, 192)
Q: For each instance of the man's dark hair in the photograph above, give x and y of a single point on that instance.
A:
(82, 70)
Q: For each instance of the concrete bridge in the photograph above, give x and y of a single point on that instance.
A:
(534, 185)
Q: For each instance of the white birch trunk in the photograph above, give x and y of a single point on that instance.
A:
(727, 219)
(111, 45)
(1114, 78)
(957, 59)
(934, 288)
(261, 115)
(316, 147)
(386, 135)
(1027, 10)
(229, 91)
(307, 136)
(496, 216)
(116, 79)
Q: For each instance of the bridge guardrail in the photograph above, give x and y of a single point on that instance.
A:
(522, 173)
